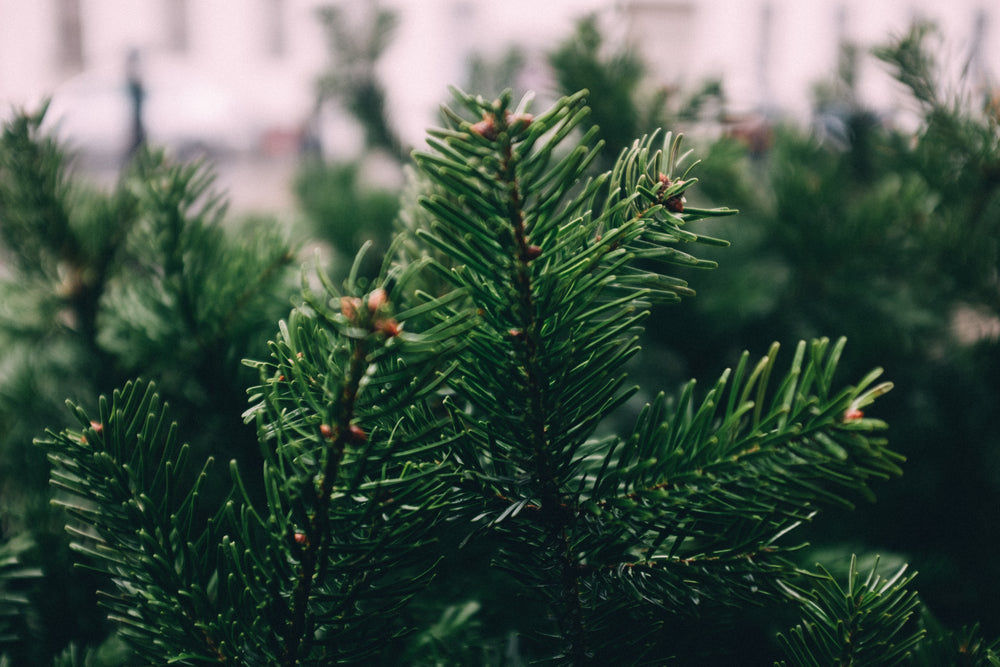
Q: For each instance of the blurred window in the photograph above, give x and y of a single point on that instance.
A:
(70, 37)
(276, 41)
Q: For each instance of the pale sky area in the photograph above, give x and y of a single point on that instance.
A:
(250, 65)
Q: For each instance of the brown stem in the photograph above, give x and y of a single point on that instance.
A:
(298, 632)
(553, 510)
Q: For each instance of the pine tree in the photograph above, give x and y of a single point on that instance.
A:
(474, 388)
(98, 287)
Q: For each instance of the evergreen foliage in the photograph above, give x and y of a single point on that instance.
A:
(866, 623)
(434, 446)
(98, 287)
(888, 235)
(467, 389)
(592, 523)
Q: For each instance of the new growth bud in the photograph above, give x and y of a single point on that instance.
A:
(357, 433)
(512, 122)
(349, 306)
(486, 128)
(519, 122)
(675, 203)
(377, 299)
(853, 413)
(388, 327)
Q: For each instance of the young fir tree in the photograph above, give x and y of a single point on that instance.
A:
(468, 388)
(95, 288)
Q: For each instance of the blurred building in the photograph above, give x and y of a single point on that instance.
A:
(217, 73)
(240, 74)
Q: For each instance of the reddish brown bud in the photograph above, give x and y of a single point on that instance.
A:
(389, 327)
(853, 413)
(300, 538)
(377, 299)
(349, 306)
(675, 203)
(515, 333)
(532, 252)
(519, 121)
(486, 128)
(326, 431)
(97, 426)
(357, 433)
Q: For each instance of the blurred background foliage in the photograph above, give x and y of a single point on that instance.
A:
(853, 226)
(888, 235)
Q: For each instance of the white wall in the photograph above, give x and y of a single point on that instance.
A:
(27, 51)
(228, 42)
(723, 38)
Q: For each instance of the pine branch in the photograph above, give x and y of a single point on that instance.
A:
(563, 269)
(715, 487)
(469, 382)
(15, 583)
(352, 484)
(966, 646)
(561, 293)
(34, 185)
(867, 623)
(132, 501)
(487, 171)
(355, 475)
(61, 239)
